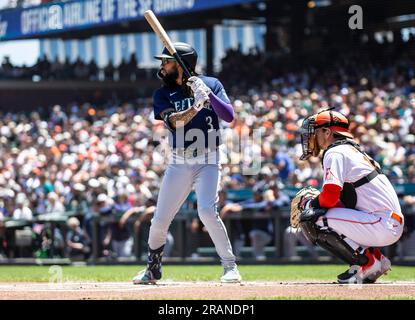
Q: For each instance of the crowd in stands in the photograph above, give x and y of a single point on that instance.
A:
(374, 86)
(99, 161)
(78, 70)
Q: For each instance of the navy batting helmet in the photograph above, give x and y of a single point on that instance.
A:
(186, 52)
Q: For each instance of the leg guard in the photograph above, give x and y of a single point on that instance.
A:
(154, 261)
(331, 241)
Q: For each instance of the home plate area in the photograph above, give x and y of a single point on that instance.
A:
(204, 290)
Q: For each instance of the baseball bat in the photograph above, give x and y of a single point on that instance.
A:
(165, 39)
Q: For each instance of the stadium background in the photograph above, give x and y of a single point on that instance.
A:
(263, 51)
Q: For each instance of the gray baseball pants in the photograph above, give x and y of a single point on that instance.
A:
(178, 181)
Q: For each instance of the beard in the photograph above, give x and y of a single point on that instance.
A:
(170, 78)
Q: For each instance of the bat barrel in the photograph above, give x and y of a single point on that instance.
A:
(161, 33)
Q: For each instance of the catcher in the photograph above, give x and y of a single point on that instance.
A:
(357, 211)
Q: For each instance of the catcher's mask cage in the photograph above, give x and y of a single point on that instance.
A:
(307, 131)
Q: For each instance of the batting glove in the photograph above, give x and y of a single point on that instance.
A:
(201, 99)
(196, 83)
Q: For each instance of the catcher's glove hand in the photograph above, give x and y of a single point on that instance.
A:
(299, 203)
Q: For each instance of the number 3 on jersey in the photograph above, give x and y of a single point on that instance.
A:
(209, 122)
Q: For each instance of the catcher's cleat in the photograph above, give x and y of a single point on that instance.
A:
(146, 276)
(231, 275)
(361, 274)
(385, 266)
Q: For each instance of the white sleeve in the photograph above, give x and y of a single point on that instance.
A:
(334, 169)
(16, 214)
(28, 214)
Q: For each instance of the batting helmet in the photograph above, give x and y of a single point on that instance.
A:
(186, 52)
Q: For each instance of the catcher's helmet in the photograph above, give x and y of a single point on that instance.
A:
(186, 52)
(333, 120)
(324, 119)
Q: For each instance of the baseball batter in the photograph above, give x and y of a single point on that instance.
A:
(357, 211)
(190, 109)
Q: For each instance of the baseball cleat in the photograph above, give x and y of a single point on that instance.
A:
(361, 274)
(153, 271)
(385, 266)
(146, 277)
(231, 275)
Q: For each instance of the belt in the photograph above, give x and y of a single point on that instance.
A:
(396, 217)
(183, 152)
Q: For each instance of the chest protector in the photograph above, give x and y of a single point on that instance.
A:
(348, 194)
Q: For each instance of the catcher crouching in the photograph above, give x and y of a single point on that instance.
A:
(357, 211)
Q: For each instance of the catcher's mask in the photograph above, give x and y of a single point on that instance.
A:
(334, 120)
(308, 138)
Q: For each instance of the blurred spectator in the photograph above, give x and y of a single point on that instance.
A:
(104, 205)
(2, 236)
(132, 68)
(51, 246)
(68, 70)
(101, 208)
(45, 69)
(275, 195)
(93, 71)
(22, 211)
(123, 70)
(54, 204)
(284, 164)
(7, 67)
(77, 200)
(406, 245)
(119, 239)
(3, 209)
(109, 71)
(58, 117)
(56, 69)
(121, 203)
(78, 244)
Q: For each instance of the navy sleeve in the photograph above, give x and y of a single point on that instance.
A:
(220, 92)
(160, 103)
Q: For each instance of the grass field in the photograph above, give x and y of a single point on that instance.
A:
(190, 273)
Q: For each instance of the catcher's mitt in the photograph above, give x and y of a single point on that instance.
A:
(298, 203)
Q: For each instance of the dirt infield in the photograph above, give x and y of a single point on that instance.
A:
(204, 290)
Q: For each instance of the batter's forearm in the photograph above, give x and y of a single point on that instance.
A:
(180, 119)
(223, 110)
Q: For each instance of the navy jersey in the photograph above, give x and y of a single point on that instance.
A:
(205, 121)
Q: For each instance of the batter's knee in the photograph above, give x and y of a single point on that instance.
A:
(159, 225)
(207, 213)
